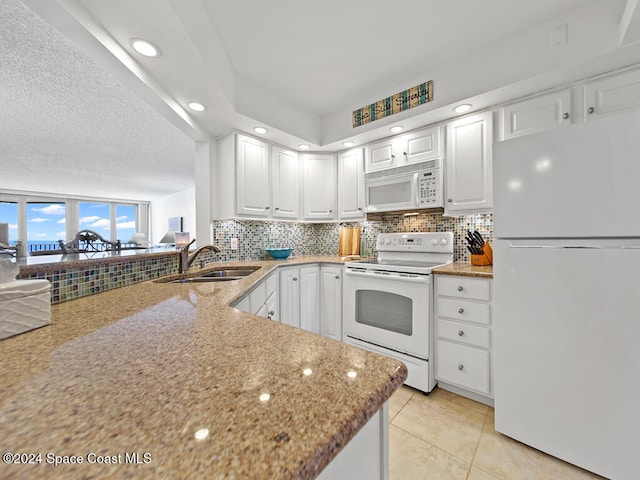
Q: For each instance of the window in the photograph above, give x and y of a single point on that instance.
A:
(45, 225)
(41, 220)
(125, 222)
(96, 217)
(9, 214)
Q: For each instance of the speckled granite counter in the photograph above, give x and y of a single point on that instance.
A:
(465, 269)
(147, 368)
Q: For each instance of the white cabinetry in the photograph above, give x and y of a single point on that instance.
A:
(413, 147)
(468, 164)
(536, 114)
(612, 94)
(319, 187)
(252, 184)
(262, 179)
(351, 185)
(463, 330)
(263, 298)
(331, 301)
(284, 184)
(300, 297)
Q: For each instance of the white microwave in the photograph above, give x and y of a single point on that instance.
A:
(404, 188)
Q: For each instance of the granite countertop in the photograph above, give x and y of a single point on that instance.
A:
(465, 269)
(150, 368)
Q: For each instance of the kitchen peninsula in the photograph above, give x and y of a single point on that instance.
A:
(167, 381)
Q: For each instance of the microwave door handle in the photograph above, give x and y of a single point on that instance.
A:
(416, 188)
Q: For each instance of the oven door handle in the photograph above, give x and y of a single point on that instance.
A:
(402, 277)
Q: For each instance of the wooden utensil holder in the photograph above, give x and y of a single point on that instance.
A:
(486, 258)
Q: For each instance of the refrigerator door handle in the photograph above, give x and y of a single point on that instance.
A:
(585, 247)
(631, 243)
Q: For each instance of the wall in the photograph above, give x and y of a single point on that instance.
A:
(322, 239)
(181, 204)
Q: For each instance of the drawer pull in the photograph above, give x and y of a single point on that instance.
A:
(460, 367)
(460, 333)
(461, 311)
(460, 288)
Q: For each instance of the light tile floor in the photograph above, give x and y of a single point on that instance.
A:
(443, 436)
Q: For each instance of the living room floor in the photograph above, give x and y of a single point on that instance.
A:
(443, 436)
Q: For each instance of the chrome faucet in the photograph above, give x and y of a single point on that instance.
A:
(186, 260)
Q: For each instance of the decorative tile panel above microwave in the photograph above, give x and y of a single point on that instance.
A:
(412, 97)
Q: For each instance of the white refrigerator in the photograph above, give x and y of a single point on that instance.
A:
(567, 293)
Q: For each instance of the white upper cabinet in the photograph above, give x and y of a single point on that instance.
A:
(255, 179)
(351, 185)
(284, 184)
(468, 164)
(536, 114)
(252, 186)
(319, 187)
(612, 94)
(412, 147)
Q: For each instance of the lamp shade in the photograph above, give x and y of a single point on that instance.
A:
(169, 237)
(139, 238)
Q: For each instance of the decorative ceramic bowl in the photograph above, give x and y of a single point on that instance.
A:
(279, 253)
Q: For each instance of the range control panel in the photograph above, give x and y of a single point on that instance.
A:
(415, 242)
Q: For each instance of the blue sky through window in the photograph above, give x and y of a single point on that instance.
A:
(45, 222)
(9, 214)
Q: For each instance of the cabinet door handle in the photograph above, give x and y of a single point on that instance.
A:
(271, 313)
(405, 154)
(267, 208)
(461, 311)
(590, 110)
(337, 277)
(450, 200)
(460, 333)
(460, 367)
(277, 208)
(392, 157)
(460, 288)
(360, 208)
(295, 279)
(565, 116)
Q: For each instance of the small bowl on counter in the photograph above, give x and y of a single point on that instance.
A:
(279, 253)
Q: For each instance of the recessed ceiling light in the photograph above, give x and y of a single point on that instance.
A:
(304, 146)
(144, 48)
(196, 107)
(260, 130)
(349, 143)
(396, 129)
(463, 108)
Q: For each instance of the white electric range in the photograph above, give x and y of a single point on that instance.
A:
(388, 302)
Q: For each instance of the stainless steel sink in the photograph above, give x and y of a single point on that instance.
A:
(219, 275)
(227, 273)
(204, 279)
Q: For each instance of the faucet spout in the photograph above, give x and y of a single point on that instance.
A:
(186, 260)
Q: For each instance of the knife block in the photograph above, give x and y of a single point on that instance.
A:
(486, 258)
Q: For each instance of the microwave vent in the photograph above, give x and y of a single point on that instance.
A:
(414, 167)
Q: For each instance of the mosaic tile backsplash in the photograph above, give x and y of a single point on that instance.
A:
(322, 238)
(73, 281)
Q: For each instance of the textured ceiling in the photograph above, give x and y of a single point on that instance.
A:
(296, 66)
(68, 127)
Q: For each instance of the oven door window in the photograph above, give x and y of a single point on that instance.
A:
(384, 310)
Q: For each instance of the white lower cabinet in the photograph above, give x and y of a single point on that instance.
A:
(310, 298)
(262, 299)
(463, 332)
(331, 301)
(300, 297)
(306, 296)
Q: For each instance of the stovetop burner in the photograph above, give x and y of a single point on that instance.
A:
(417, 252)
